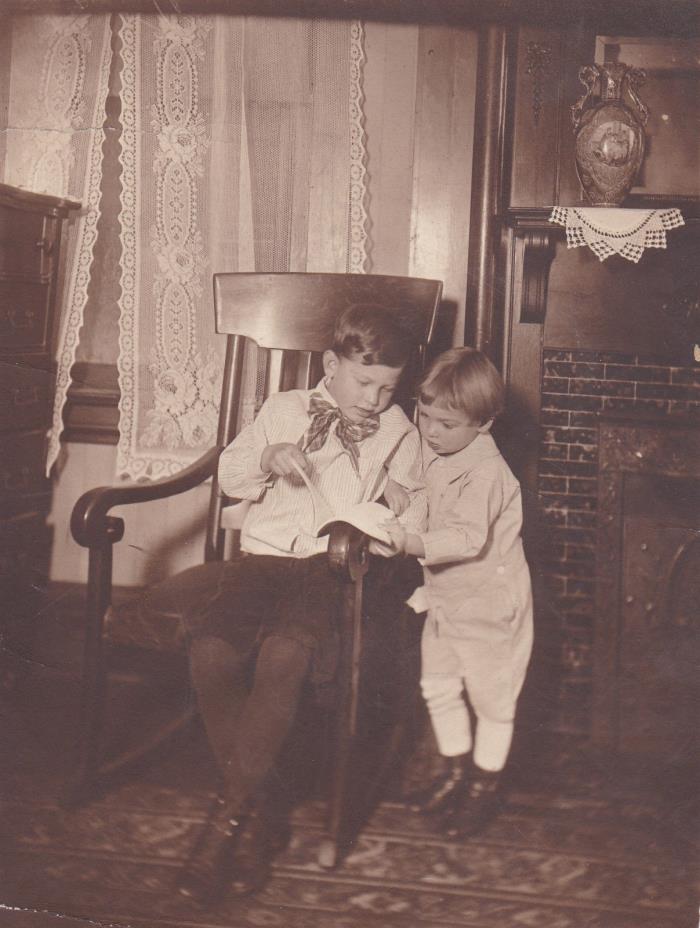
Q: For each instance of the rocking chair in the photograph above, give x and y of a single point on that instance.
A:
(290, 318)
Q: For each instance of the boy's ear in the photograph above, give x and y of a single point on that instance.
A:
(486, 427)
(330, 362)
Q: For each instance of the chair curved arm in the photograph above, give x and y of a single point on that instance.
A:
(89, 523)
(348, 551)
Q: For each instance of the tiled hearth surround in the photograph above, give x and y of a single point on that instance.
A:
(576, 386)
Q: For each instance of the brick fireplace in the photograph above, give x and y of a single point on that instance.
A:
(578, 386)
(646, 651)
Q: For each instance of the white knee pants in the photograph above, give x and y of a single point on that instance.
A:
(485, 664)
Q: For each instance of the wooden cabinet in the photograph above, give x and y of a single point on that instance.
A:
(30, 237)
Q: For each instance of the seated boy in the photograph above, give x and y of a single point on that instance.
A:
(279, 599)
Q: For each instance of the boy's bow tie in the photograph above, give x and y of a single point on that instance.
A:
(349, 433)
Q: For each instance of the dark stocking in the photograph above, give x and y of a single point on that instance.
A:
(218, 673)
(268, 714)
(247, 731)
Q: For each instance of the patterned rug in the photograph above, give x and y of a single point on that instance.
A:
(553, 859)
(580, 843)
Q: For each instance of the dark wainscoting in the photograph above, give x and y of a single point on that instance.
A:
(91, 414)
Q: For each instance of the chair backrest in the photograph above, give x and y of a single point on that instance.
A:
(290, 316)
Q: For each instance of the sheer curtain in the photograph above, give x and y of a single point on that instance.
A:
(58, 88)
(242, 149)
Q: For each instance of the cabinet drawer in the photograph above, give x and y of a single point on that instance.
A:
(25, 543)
(24, 397)
(26, 242)
(25, 550)
(22, 465)
(24, 311)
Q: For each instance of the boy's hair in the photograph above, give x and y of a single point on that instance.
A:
(371, 334)
(464, 379)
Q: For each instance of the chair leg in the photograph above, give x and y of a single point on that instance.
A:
(338, 825)
(93, 694)
(347, 811)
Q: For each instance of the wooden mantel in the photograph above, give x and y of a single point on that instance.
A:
(529, 243)
(539, 237)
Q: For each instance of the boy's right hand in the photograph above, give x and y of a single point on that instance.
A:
(278, 459)
(397, 499)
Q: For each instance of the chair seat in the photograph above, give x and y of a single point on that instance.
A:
(125, 625)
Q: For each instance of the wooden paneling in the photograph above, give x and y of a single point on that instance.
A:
(484, 302)
(536, 117)
(616, 305)
(91, 413)
(543, 172)
(443, 162)
(419, 105)
(162, 537)
(678, 17)
(390, 115)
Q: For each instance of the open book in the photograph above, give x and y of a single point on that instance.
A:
(368, 517)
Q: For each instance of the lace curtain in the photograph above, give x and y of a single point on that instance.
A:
(242, 149)
(58, 82)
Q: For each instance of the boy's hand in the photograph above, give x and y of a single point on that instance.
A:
(396, 497)
(278, 459)
(397, 533)
(382, 549)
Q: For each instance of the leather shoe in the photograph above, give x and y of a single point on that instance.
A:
(252, 855)
(479, 805)
(446, 789)
(209, 868)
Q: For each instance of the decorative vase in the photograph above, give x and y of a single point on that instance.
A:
(609, 133)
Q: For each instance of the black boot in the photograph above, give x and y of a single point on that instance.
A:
(446, 789)
(479, 804)
(210, 866)
(253, 854)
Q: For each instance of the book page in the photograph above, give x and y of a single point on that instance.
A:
(368, 517)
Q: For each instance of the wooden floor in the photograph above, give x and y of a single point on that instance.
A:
(582, 841)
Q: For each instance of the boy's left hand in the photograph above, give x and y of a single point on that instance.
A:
(382, 549)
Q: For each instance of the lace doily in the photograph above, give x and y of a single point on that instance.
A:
(625, 232)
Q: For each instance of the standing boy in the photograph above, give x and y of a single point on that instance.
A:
(477, 637)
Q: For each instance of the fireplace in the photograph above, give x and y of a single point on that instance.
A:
(645, 655)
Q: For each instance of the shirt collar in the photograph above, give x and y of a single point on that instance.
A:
(323, 390)
(461, 462)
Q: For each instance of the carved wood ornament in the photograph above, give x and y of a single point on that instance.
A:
(539, 62)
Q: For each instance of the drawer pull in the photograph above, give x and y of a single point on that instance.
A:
(19, 319)
(27, 396)
(18, 480)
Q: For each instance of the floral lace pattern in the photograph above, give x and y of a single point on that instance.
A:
(185, 396)
(358, 252)
(59, 107)
(182, 409)
(188, 211)
(60, 72)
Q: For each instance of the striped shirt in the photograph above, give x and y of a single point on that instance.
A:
(280, 520)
